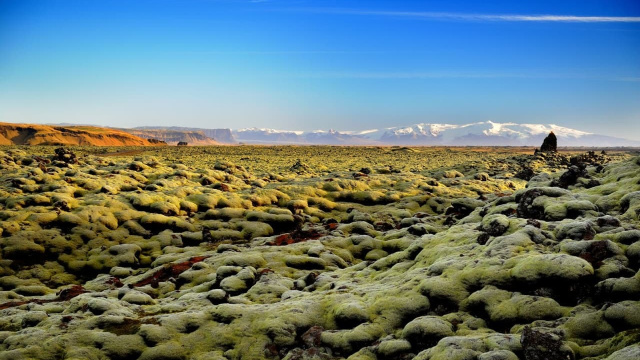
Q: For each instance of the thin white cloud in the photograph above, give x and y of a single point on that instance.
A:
(299, 52)
(479, 17)
(450, 75)
(404, 75)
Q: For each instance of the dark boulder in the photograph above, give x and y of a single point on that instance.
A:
(483, 238)
(525, 205)
(538, 344)
(525, 174)
(571, 176)
(550, 143)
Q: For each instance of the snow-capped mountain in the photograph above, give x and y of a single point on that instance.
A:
(269, 136)
(482, 133)
(317, 137)
(486, 133)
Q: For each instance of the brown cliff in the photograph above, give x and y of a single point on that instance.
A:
(33, 134)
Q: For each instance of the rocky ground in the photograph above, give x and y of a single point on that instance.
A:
(318, 253)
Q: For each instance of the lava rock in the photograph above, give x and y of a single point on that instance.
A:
(542, 345)
(525, 174)
(571, 176)
(550, 143)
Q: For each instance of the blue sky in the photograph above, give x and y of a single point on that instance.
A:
(305, 65)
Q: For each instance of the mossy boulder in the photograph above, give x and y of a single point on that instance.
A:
(506, 308)
(425, 331)
(589, 325)
(350, 314)
(534, 269)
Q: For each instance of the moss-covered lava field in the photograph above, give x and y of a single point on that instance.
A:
(369, 253)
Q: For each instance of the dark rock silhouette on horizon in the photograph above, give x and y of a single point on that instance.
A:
(550, 143)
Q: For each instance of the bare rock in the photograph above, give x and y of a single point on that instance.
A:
(550, 143)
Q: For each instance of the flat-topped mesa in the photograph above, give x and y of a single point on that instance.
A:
(550, 143)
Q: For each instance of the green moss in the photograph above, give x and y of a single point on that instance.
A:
(547, 267)
(348, 341)
(224, 214)
(396, 255)
(19, 248)
(275, 220)
(425, 331)
(506, 308)
(393, 310)
(445, 289)
(254, 229)
(304, 262)
(589, 325)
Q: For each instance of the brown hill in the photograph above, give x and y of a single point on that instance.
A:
(32, 134)
(173, 137)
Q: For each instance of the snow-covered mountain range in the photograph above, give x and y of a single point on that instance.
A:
(486, 133)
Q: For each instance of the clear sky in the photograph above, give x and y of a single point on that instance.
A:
(320, 64)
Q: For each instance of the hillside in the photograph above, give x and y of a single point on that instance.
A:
(30, 134)
(173, 137)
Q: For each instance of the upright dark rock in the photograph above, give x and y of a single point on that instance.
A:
(550, 143)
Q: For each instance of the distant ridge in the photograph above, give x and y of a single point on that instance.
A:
(474, 134)
(173, 137)
(32, 134)
(223, 136)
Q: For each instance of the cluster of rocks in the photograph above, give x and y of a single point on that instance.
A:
(65, 155)
(547, 156)
(122, 259)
